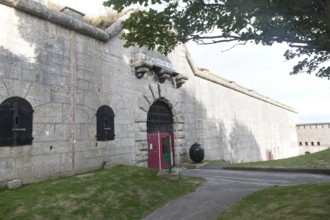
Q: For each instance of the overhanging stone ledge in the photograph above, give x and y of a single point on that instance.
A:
(41, 11)
(162, 69)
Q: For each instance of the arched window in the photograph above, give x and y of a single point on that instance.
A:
(159, 117)
(105, 124)
(15, 122)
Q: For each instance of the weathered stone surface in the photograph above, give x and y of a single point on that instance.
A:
(67, 73)
(14, 184)
(142, 145)
(313, 137)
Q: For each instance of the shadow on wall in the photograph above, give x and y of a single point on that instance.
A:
(243, 145)
(48, 74)
(222, 138)
(223, 142)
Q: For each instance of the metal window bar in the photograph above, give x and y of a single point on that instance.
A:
(159, 117)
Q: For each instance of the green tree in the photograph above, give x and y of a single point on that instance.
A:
(303, 24)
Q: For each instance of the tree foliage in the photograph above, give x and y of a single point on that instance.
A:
(303, 24)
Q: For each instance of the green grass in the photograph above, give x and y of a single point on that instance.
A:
(215, 161)
(319, 160)
(123, 192)
(310, 201)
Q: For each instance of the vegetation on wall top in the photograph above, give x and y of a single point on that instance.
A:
(303, 24)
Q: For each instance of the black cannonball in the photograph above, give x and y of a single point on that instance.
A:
(196, 153)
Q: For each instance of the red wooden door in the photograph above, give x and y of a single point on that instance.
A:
(157, 148)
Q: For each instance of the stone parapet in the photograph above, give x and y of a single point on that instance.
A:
(41, 11)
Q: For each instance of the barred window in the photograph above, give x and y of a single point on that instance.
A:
(16, 116)
(105, 124)
(159, 117)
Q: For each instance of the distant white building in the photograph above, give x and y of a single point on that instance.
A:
(313, 137)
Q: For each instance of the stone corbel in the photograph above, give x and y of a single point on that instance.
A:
(142, 65)
(161, 69)
(180, 80)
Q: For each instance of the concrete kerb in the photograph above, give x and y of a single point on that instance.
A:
(271, 169)
(214, 166)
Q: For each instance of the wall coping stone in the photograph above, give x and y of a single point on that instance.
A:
(41, 11)
(307, 124)
(205, 74)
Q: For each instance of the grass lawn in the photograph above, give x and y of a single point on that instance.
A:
(123, 192)
(290, 202)
(311, 201)
(319, 160)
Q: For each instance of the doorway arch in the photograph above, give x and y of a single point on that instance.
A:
(160, 135)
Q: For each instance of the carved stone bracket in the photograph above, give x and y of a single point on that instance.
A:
(161, 69)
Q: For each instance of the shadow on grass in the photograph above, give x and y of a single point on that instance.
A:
(123, 192)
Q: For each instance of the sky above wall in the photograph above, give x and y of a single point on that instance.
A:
(260, 68)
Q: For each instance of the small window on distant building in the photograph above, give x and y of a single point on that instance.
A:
(312, 143)
(300, 143)
(306, 143)
(105, 126)
(15, 122)
(318, 143)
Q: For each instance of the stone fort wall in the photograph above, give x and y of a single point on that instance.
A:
(66, 69)
(313, 137)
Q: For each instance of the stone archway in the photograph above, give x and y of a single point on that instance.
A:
(160, 135)
(154, 93)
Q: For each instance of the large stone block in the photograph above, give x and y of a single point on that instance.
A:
(55, 80)
(127, 142)
(61, 94)
(58, 147)
(14, 184)
(85, 114)
(141, 145)
(142, 126)
(144, 104)
(141, 156)
(140, 136)
(94, 153)
(49, 113)
(17, 87)
(3, 91)
(44, 132)
(121, 130)
(86, 131)
(140, 116)
(63, 132)
(7, 165)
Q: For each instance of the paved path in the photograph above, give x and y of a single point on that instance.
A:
(222, 189)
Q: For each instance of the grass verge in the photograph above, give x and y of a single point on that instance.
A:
(319, 160)
(123, 192)
(215, 161)
(310, 201)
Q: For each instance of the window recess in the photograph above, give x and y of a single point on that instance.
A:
(16, 116)
(105, 129)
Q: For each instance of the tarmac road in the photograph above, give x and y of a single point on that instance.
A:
(222, 189)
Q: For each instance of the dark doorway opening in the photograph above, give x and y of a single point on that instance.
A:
(159, 127)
